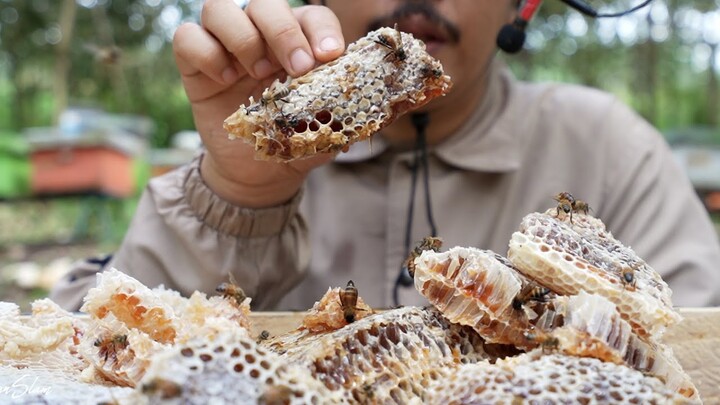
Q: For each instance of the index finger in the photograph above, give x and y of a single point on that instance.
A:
(282, 31)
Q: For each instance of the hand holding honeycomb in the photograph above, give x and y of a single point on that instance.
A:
(234, 54)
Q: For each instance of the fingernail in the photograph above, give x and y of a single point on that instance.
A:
(262, 68)
(229, 75)
(301, 61)
(329, 44)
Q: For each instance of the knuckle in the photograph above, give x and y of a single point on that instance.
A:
(285, 33)
(208, 59)
(244, 46)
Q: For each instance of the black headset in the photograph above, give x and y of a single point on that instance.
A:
(512, 36)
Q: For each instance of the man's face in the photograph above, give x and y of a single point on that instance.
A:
(460, 33)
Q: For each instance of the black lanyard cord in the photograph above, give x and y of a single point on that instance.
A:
(420, 161)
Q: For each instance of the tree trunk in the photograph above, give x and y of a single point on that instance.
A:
(68, 11)
(713, 97)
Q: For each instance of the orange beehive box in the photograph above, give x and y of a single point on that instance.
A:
(80, 170)
(88, 164)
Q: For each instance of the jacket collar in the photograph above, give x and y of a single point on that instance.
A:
(485, 143)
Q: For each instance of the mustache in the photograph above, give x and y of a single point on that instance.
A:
(423, 8)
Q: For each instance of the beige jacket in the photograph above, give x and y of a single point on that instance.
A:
(525, 143)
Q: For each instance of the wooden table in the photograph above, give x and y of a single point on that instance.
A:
(695, 341)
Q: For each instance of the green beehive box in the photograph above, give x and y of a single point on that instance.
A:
(14, 166)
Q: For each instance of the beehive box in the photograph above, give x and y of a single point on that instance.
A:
(97, 162)
(695, 341)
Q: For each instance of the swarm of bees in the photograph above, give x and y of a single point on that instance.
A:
(568, 204)
(428, 243)
(348, 302)
(395, 45)
(231, 290)
(109, 346)
(530, 292)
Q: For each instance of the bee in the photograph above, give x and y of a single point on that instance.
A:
(348, 301)
(286, 125)
(108, 347)
(264, 335)
(581, 205)
(232, 290)
(547, 342)
(568, 204)
(428, 243)
(276, 395)
(106, 55)
(276, 92)
(627, 275)
(165, 388)
(530, 292)
(429, 71)
(394, 45)
(368, 390)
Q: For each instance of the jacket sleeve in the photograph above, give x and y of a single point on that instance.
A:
(185, 237)
(650, 203)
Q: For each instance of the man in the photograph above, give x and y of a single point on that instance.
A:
(497, 149)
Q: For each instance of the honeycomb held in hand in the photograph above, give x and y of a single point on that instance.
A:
(341, 102)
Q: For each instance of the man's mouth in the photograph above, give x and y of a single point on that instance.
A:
(424, 23)
(433, 35)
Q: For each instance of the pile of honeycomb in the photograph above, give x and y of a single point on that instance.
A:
(483, 290)
(390, 357)
(542, 378)
(583, 255)
(144, 346)
(379, 77)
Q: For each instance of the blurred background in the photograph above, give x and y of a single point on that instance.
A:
(91, 107)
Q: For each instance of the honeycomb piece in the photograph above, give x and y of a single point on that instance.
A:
(230, 368)
(590, 326)
(117, 353)
(389, 357)
(20, 338)
(327, 314)
(569, 258)
(47, 386)
(162, 314)
(130, 323)
(535, 378)
(341, 102)
(476, 288)
(47, 339)
(133, 304)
